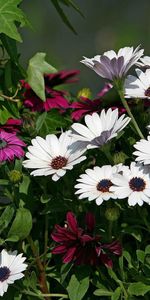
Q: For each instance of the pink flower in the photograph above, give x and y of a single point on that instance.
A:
(54, 98)
(10, 146)
(80, 245)
(12, 125)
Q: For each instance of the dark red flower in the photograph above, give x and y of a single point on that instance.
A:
(12, 125)
(54, 98)
(86, 106)
(80, 245)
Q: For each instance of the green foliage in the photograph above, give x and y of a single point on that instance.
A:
(78, 284)
(21, 225)
(63, 16)
(11, 13)
(35, 74)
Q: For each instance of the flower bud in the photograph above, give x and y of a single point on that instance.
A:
(112, 213)
(15, 176)
(85, 92)
(119, 157)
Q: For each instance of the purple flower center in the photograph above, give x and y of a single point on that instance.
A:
(4, 273)
(3, 143)
(147, 92)
(58, 162)
(104, 185)
(137, 184)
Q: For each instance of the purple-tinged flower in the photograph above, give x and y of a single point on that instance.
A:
(82, 246)
(10, 146)
(54, 98)
(112, 65)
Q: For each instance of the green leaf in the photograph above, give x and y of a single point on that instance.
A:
(138, 289)
(35, 74)
(21, 225)
(140, 255)
(127, 256)
(4, 115)
(10, 13)
(71, 3)
(6, 217)
(10, 46)
(62, 15)
(78, 285)
(116, 294)
(147, 249)
(50, 122)
(103, 292)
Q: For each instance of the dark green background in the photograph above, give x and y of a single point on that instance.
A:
(108, 24)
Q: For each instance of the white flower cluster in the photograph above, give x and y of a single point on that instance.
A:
(117, 182)
(54, 156)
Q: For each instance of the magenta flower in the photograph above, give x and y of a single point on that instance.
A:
(12, 125)
(54, 98)
(10, 146)
(80, 245)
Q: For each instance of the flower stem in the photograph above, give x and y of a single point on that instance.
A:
(42, 277)
(126, 106)
(44, 295)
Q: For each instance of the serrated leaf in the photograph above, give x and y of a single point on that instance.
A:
(9, 14)
(77, 288)
(35, 73)
(21, 225)
(138, 289)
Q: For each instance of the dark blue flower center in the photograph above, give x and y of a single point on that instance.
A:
(3, 143)
(137, 184)
(4, 273)
(147, 92)
(104, 185)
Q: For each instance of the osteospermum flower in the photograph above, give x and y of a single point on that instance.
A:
(96, 183)
(10, 146)
(52, 155)
(12, 125)
(144, 62)
(81, 245)
(112, 65)
(11, 268)
(99, 129)
(138, 87)
(134, 183)
(143, 151)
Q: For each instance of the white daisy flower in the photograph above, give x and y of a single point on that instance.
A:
(52, 155)
(99, 129)
(11, 268)
(138, 87)
(95, 184)
(112, 65)
(143, 151)
(133, 183)
(144, 62)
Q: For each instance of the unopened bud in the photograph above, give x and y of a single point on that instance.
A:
(15, 176)
(119, 157)
(85, 92)
(112, 213)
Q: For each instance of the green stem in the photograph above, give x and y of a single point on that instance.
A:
(45, 237)
(44, 295)
(126, 106)
(42, 277)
